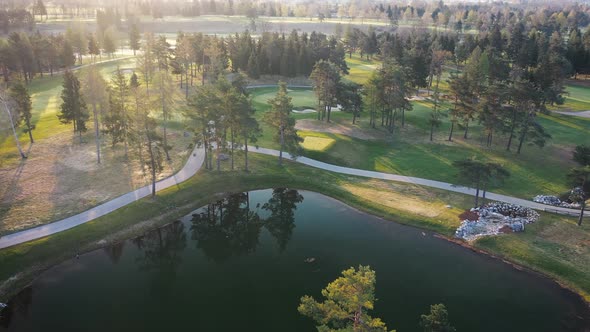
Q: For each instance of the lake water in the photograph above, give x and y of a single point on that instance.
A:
(240, 265)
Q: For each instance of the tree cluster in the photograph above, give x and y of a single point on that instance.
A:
(501, 79)
(25, 56)
(16, 19)
(348, 300)
(271, 54)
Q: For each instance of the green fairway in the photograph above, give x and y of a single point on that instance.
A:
(577, 98)
(45, 96)
(360, 69)
(301, 98)
(408, 151)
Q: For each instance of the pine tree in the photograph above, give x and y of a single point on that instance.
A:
(166, 96)
(93, 48)
(40, 9)
(326, 79)
(94, 89)
(134, 38)
(279, 119)
(73, 107)
(66, 55)
(109, 44)
(22, 100)
(437, 320)
(348, 301)
(253, 69)
(118, 122)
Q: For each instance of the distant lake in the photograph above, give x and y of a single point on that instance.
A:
(242, 264)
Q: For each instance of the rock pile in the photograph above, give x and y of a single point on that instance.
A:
(554, 201)
(496, 218)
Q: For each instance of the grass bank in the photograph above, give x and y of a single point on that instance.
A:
(554, 246)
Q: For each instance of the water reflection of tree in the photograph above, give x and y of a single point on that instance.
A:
(18, 305)
(281, 222)
(115, 251)
(227, 227)
(162, 250)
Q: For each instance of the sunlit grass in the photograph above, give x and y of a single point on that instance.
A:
(360, 70)
(45, 96)
(313, 143)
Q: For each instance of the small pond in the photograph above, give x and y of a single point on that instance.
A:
(242, 264)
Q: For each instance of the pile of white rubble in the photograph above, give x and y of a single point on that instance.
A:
(495, 218)
(554, 201)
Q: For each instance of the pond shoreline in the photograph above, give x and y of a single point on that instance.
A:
(514, 265)
(13, 285)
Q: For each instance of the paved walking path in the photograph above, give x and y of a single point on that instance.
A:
(582, 114)
(418, 181)
(195, 162)
(191, 167)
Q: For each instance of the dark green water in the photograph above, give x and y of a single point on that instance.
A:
(234, 268)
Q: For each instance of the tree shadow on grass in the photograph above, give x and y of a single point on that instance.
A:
(12, 189)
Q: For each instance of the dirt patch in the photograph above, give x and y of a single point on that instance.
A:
(469, 215)
(505, 230)
(337, 128)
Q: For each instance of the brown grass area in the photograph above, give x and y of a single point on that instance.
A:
(570, 236)
(339, 128)
(61, 177)
(416, 200)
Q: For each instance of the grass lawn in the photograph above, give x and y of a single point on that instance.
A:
(61, 177)
(45, 96)
(360, 70)
(577, 97)
(408, 151)
(554, 246)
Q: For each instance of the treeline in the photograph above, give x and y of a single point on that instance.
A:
(450, 15)
(277, 54)
(23, 56)
(500, 80)
(16, 19)
(271, 54)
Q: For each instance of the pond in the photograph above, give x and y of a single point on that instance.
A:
(242, 264)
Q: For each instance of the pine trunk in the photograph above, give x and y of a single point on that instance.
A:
(522, 138)
(582, 212)
(451, 132)
(431, 131)
(282, 146)
(466, 130)
(511, 130)
(246, 154)
(403, 117)
(217, 153)
(232, 149)
(96, 134)
(30, 131)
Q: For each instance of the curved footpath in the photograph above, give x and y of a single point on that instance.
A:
(191, 167)
(581, 114)
(194, 164)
